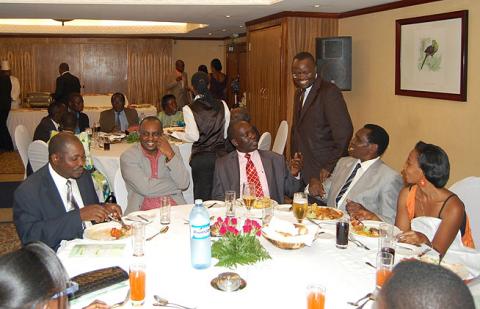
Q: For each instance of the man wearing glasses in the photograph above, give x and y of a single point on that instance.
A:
(321, 124)
(153, 169)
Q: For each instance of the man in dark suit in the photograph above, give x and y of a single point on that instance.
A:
(66, 84)
(75, 105)
(322, 127)
(57, 201)
(50, 122)
(232, 170)
(118, 118)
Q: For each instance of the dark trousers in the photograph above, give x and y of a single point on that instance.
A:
(6, 143)
(203, 167)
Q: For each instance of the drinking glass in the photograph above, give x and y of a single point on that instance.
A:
(343, 227)
(138, 238)
(315, 296)
(267, 210)
(300, 206)
(230, 199)
(165, 210)
(248, 196)
(386, 240)
(137, 280)
(384, 268)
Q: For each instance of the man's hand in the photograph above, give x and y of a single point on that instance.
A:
(315, 187)
(179, 78)
(165, 148)
(413, 238)
(357, 211)
(97, 304)
(94, 212)
(324, 174)
(296, 164)
(114, 210)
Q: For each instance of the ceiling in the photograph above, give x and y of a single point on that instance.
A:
(219, 26)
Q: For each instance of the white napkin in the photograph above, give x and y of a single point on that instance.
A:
(277, 225)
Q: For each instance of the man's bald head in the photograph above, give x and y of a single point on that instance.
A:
(66, 155)
(60, 142)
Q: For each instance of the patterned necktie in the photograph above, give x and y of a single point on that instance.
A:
(347, 184)
(252, 176)
(71, 203)
(300, 100)
(118, 125)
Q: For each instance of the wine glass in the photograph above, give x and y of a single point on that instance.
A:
(300, 206)
(248, 196)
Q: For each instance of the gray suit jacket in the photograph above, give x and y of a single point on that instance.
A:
(178, 89)
(107, 119)
(280, 181)
(172, 178)
(377, 190)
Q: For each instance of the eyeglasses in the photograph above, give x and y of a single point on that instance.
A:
(71, 288)
(304, 74)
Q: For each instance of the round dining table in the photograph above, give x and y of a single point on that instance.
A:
(279, 282)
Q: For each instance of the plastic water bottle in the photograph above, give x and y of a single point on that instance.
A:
(200, 245)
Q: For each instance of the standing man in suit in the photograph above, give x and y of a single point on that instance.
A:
(118, 118)
(66, 84)
(361, 183)
(57, 201)
(270, 168)
(177, 84)
(321, 124)
(6, 143)
(50, 123)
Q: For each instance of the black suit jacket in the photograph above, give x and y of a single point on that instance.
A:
(280, 181)
(83, 121)
(66, 84)
(44, 129)
(39, 213)
(322, 129)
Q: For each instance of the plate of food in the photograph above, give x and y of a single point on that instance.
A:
(459, 269)
(293, 238)
(324, 213)
(368, 228)
(107, 231)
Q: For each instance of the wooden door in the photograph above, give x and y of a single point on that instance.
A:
(236, 67)
(264, 79)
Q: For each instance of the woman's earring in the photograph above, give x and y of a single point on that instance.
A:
(422, 182)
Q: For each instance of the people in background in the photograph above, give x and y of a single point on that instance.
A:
(51, 122)
(206, 125)
(15, 92)
(170, 116)
(273, 178)
(427, 212)
(66, 84)
(362, 183)
(177, 84)
(56, 202)
(218, 80)
(153, 169)
(321, 127)
(6, 143)
(418, 285)
(75, 105)
(202, 68)
(34, 277)
(119, 118)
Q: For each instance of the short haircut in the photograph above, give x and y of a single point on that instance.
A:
(216, 64)
(416, 284)
(304, 55)
(68, 121)
(150, 118)
(239, 114)
(232, 129)
(120, 95)
(59, 143)
(167, 98)
(202, 68)
(54, 107)
(434, 163)
(64, 66)
(74, 95)
(29, 275)
(378, 136)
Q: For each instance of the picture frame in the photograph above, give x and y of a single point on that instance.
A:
(431, 56)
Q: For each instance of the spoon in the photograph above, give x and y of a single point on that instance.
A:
(356, 303)
(163, 302)
(164, 230)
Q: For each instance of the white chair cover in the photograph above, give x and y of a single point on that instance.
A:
(281, 138)
(468, 190)
(22, 139)
(120, 190)
(38, 154)
(265, 141)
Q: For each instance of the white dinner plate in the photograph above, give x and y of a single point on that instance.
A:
(373, 224)
(407, 249)
(213, 204)
(134, 216)
(101, 231)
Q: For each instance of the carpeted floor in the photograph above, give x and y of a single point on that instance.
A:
(11, 167)
(9, 240)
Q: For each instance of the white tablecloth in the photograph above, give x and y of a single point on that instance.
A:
(108, 162)
(276, 283)
(30, 118)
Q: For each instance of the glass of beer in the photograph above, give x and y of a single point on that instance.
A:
(315, 296)
(248, 196)
(384, 268)
(300, 206)
(137, 282)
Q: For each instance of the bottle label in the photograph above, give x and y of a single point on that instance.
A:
(200, 231)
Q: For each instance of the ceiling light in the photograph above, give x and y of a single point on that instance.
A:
(227, 16)
(316, 6)
(224, 30)
(209, 33)
(149, 2)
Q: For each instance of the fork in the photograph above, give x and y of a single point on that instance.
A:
(356, 303)
(119, 304)
(316, 223)
(164, 230)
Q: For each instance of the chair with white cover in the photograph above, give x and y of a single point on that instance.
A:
(468, 190)
(23, 138)
(120, 190)
(265, 141)
(281, 138)
(37, 154)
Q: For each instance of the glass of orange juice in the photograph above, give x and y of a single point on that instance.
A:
(137, 283)
(315, 296)
(384, 268)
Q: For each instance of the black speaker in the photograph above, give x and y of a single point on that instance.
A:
(334, 60)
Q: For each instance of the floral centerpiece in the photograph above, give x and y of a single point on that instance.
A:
(237, 247)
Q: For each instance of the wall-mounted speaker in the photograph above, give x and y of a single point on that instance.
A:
(334, 60)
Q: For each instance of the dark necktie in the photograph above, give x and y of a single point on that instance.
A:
(300, 101)
(252, 176)
(347, 184)
(71, 203)
(118, 125)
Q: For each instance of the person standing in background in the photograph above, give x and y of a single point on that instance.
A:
(6, 143)
(66, 84)
(15, 93)
(177, 84)
(218, 80)
(202, 68)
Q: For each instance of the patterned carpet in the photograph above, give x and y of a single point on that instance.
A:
(9, 240)
(11, 167)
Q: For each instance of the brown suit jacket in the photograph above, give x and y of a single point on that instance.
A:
(321, 129)
(107, 119)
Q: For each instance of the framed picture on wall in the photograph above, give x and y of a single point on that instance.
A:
(431, 56)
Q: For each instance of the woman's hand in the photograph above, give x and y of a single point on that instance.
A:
(413, 238)
(97, 304)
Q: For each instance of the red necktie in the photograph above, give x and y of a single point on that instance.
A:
(252, 176)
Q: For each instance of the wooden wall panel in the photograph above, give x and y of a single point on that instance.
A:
(22, 62)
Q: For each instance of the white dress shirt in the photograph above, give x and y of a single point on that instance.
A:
(61, 184)
(15, 93)
(307, 91)
(257, 161)
(55, 124)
